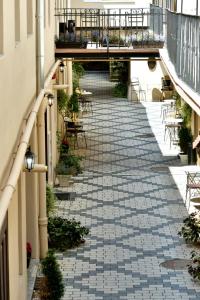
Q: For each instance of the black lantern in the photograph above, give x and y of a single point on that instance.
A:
(29, 159)
(61, 67)
(50, 98)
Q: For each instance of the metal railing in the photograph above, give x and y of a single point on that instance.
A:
(108, 27)
(183, 44)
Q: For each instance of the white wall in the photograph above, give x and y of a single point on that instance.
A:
(149, 80)
(114, 4)
(189, 7)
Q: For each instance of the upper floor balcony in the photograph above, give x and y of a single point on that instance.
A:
(127, 28)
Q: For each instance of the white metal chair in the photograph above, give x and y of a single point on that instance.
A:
(192, 185)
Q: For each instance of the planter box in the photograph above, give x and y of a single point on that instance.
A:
(65, 180)
(184, 159)
(148, 44)
(66, 44)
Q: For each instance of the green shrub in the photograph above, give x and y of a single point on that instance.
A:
(190, 231)
(62, 168)
(65, 234)
(69, 164)
(78, 69)
(186, 112)
(120, 90)
(62, 99)
(54, 279)
(194, 266)
(75, 81)
(185, 137)
(73, 105)
(50, 199)
(78, 72)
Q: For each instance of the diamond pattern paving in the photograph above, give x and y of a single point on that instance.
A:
(131, 204)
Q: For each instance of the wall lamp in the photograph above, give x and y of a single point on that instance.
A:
(50, 98)
(61, 66)
(29, 159)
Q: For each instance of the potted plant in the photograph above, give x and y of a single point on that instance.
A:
(190, 230)
(68, 165)
(185, 138)
(63, 173)
(73, 106)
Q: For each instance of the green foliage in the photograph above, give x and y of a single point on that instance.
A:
(50, 200)
(65, 234)
(69, 165)
(190, 231)
(116, 40)
(121, 69)
(62, 100)
(78, 69)
(54, 282)
(73, 105)
(194, 267)
(78, 72)
(185, 137)
(64, 148)
(75, 81)
(62, 168)
(186, 112)
(120, 90)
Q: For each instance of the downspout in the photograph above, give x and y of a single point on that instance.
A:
(39, 45)
(42, 219)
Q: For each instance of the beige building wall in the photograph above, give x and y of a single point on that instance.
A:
(18, 94)
(17, 78)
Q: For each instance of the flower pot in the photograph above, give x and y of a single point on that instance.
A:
(184, 159)
(64, 180)
(28, 260)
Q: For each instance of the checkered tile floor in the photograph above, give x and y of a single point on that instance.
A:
(128, 199)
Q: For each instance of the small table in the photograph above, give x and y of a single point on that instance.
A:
(86, 104)
(173, 120)
(172, 126)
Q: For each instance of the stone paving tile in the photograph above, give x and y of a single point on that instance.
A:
(130, 202)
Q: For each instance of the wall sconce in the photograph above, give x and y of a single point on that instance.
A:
(50, 98)
(61, 66)
(29, 159)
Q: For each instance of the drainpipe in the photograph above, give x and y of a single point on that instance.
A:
(40, 44)
(42, 220)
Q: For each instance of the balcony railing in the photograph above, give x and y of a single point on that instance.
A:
(139, 27)
(183, 44)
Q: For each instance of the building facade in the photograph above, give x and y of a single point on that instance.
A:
(27, 65)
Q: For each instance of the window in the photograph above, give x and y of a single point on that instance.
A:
(1, 26)
(17, 20)
(29, 6)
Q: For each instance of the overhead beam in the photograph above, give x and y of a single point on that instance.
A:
(106, 53)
